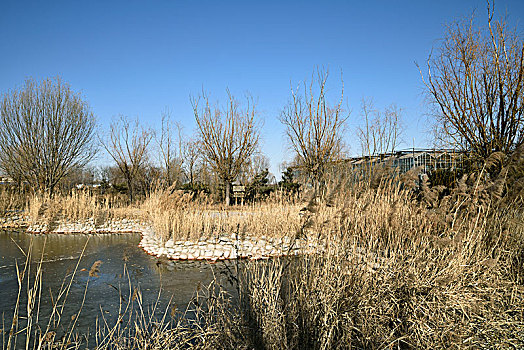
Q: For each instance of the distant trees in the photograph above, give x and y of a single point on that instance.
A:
(381, 130)
(169, 142)
(253, 166)
(46, 132)
(227, 137)
(475, 80)
(127, 144)
(191, 159)
(288, 183)
(85, 175)
(314, 129)
(259, 186)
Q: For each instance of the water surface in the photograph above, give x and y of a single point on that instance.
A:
(61, 253)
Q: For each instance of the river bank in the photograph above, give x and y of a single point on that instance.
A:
(217, 247)
(384, 264)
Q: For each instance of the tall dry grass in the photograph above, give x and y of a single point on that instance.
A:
(11, 200)
(178, 216)
(393, 271)
(393, 274)
(400, 265)
(172, 214)
(76, 206)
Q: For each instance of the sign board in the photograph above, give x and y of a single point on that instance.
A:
(239, 191)
(239, 188)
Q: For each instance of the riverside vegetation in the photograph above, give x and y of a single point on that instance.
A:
(398, 265)
(383, 261)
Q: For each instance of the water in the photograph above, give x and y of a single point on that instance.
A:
(61, 253)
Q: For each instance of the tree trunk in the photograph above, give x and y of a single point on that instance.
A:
(228, 193)
(168, 175)
(130, 189)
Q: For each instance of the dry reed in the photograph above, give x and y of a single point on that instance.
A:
(400, 266)
(176, 215)
(393, 274)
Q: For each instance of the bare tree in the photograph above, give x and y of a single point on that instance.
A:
(228, 137)
(255, 165)
(475, 82)
(128, 144)
(169, 143)
(84, 176)
(381, 130)
(46, 131)
(314, 129)
(191, 157)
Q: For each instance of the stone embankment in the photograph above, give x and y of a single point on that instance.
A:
(14, 222)
(222, 247)
(89, 226)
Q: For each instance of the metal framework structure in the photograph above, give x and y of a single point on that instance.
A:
(405, 160)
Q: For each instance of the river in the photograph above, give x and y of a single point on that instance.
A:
(61, 253)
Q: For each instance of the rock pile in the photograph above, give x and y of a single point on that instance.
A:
(88, 227)
(13, 222)
(220, 248)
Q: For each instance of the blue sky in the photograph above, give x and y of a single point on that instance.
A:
(138, 58)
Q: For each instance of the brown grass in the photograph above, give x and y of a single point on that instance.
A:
(392, 275)
(178, 216)
(77, 207)
(399, 268)
(10, 200)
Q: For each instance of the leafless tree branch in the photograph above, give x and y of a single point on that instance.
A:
(46, 131)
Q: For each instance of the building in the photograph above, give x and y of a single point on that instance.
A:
(405, 160)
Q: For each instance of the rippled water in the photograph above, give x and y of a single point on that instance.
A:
(61, 253)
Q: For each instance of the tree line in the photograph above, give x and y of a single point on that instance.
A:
(474, 81)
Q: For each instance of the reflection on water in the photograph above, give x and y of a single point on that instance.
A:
(61, 254)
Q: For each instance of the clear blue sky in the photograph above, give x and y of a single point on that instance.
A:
(139, 57)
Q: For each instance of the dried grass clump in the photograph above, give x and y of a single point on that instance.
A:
(177, 215)
(77, 206)
(11, 200)
(34, 207)
(389, 277)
